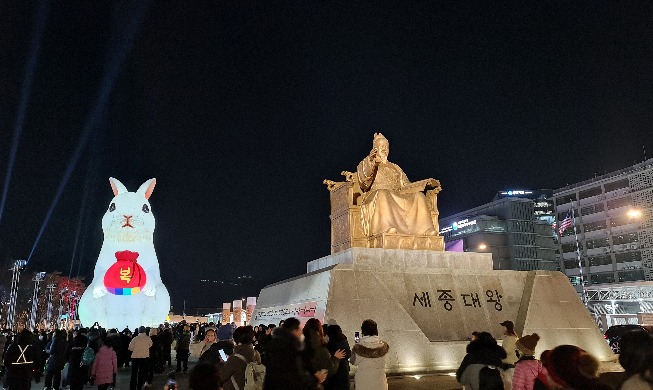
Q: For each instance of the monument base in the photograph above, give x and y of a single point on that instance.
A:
(428, 303)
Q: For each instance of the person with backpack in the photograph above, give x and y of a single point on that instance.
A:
(56, 349)
(243, 369)
(78, 349)
(480, 368)
(527, 368)
(105, 366)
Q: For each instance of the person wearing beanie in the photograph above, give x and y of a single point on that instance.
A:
(570, 367)
(527, 368)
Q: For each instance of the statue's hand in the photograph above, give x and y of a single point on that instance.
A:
(149, 289)
(100, 291)
(374, 156)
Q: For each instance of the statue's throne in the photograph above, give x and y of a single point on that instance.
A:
(347, 227)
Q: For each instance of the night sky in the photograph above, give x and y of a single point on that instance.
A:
(240, 109)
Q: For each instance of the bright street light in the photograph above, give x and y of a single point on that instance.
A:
(634, 213)
(482, 247)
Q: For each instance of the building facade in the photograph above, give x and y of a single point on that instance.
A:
(515, 227)
(607, 251)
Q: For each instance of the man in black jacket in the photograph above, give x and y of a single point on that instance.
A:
(77, 372)
(19, 362)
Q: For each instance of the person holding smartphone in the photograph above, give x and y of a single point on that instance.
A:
(369, 354)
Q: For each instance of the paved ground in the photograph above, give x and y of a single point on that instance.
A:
(431, 382)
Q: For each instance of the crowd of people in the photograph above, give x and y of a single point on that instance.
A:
(285, 356)
(289, 356)
(514, 366)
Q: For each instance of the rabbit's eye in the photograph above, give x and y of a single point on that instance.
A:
(146, 209)
(112, 207)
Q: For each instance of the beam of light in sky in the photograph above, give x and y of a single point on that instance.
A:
(25, 92)
(117, 55)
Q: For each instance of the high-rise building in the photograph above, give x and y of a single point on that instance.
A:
(607, 249)
(515, 227)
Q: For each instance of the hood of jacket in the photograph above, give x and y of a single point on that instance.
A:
(371, 347)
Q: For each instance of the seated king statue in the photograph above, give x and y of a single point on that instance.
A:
(391, 203)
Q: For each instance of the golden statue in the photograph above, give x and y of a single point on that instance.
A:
(391, 203)
(378, 207)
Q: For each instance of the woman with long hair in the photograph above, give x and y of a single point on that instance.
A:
(317, 357)
(338, 341)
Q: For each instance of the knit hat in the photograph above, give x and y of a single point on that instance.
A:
(527, 344)
(570, 366)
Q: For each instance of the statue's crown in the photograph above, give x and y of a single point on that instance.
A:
(379, 137)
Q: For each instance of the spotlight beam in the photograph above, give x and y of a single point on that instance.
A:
(25, 92)
(120, 51)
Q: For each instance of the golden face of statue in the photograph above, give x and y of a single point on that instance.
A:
(382, 148)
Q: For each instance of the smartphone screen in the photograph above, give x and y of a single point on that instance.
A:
(357, 336)
(223, 355)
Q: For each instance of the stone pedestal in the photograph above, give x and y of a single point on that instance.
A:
(427, 303)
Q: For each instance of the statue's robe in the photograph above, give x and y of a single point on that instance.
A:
(389, 203)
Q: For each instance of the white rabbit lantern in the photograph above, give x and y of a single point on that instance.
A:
(126, 290)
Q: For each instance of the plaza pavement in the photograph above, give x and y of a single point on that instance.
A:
(439, 381)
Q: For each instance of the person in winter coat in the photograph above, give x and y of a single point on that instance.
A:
(508, 345)
(527, 368)
(56, 349)
(167, 339)
(482, 352)
(183, 348)
(105, 366)
(338, 341)
(636, 357)
(570, 367)
(40, 357)
(19, 362)
(369, 355)
(204, 376)
(77, 372)
(140, 347)
(157, 359)
(124, 354)
(284, 366)
(210, 352)
(317, 357)
(233, 371)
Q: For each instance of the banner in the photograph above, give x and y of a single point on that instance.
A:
(226, 312)
(238, 312)
(251, 305)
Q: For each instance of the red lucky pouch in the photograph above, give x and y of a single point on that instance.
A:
(126, 276)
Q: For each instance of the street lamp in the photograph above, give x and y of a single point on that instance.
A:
(482, 247)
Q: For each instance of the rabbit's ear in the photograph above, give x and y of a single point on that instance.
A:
(117, 186)
(146, 188)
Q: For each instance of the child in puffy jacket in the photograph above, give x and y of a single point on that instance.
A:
(105, 366)
(527, 368)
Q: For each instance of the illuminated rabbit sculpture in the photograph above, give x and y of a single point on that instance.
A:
(126, 289)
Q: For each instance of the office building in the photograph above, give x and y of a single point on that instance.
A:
(607, 249)
(516, 227)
